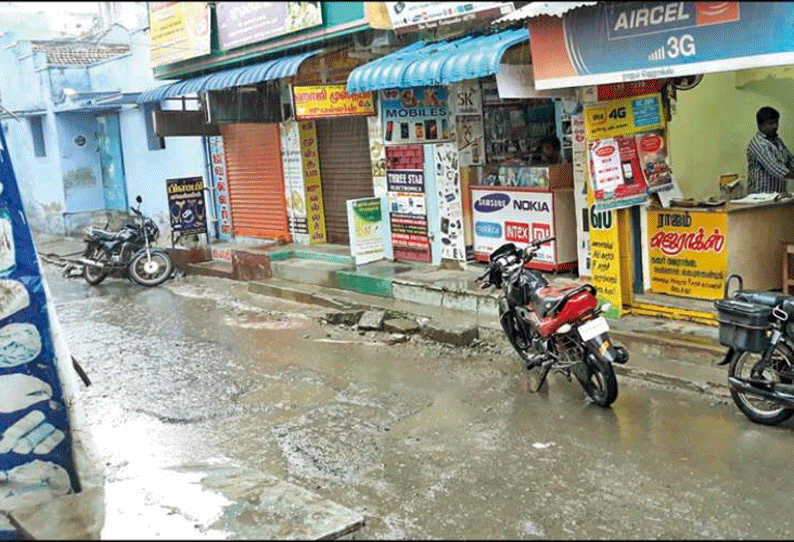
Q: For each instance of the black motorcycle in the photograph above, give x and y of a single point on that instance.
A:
(560, 329)
(126, 253)
(758, 328)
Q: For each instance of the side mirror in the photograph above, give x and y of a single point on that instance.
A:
(138, 198)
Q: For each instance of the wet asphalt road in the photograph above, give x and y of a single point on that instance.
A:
(424, 440)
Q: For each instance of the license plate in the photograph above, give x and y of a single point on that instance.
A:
(593, 328)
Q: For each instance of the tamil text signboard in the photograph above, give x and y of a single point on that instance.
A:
(315, 102)
(186, 205)
(242, 23)
(178, 31)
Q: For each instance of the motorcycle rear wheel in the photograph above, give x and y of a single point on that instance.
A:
(151, 272)
(600, 383)
(94, 275)
(758, 409)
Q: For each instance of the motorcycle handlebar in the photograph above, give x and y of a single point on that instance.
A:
(539, 242)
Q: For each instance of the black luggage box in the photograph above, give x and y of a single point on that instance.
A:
(743, 325)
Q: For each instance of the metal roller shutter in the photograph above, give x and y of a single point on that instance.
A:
(256, 180)
(345, 170)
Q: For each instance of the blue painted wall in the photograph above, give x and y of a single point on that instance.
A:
(147, 170)
(80, 167)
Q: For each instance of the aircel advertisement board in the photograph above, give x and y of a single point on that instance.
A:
(614, 42)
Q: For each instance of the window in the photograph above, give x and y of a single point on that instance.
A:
(155, 142)
(37, 132)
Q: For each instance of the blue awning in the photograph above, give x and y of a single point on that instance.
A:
(421, 64)
(235, 77)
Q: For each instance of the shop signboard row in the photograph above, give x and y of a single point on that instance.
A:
(615, 42)
(413, 16)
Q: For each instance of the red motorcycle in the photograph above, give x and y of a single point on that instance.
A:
(560, 329)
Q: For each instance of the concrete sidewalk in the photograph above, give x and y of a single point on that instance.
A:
(451, 305)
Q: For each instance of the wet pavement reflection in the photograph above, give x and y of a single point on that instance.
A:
(424, 440)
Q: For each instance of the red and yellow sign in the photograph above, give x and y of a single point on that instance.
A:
(688, 253)
(331, 101)
(315, 215)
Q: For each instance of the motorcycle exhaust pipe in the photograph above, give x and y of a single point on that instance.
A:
(91, 263)
(740, 385)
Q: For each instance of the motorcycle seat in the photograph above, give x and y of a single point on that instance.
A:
(548, 297)
(768, 299)
(102, 234)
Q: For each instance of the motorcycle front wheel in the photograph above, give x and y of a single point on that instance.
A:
(599, 382)
(151, 271)
(748, 366)
(94, 275)
(510, 325)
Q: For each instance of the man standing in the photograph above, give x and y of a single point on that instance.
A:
(769, 162)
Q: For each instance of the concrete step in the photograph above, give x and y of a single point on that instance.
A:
(214, 268)
(299, 270)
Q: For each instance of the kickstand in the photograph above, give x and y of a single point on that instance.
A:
(544, 372)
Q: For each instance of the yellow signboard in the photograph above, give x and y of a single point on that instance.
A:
(624, 116)
(315, 214)
(331, 101)
(605, 268)
(688, 253)
(178, 31)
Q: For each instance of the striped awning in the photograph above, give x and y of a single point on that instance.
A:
(422, 64)
(268, 70)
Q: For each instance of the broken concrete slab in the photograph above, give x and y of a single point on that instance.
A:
(347, 318)
(450, 333)
(371, 320)
(400, 325)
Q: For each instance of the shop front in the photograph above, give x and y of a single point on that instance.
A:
(451, 143)
(658, 154)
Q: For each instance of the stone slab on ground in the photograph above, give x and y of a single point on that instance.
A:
(456, 334)
(372, 321)
(348, 318)
(401, 325)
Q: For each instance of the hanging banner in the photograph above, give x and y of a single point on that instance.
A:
(241, 23)
(579, 155)
(294, 191)
(223, 211)
(405, 182)
(365, 226)
(688, 253)
(465, 98)
(412, 16)
(186, 205)
(615, 42)
(178, 31)
(36, 440)
(450, 207)
(315, 213)
(654, 161)
(331, 101)
(415, 115)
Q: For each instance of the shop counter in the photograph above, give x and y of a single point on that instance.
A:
(693, 250)
(503, 214)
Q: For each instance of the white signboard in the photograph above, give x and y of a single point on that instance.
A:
(579, 151)
(294, 189)
(413, 16)
(607, 171)
(512, 216)
(518, 81)
(465, 98)
(449, 201)
(366, 229)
